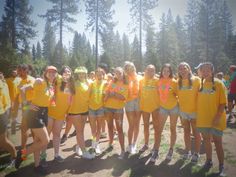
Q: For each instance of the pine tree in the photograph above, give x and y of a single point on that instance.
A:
(49, 42)
(60, 15)
(181, 39)
(191, 23)
(125, 48)
(99, 16)
(33, 53)
(17, 25)
(141, 19)
(38, 51)
(151, 51)
(135, 53)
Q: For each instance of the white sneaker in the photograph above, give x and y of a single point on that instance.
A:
(78, 151)
(87, 155)
(94, 143)
(154, 156)
(133, 149)
(97, 149)
(187, 155)
(128, 149)
(122, 155)
(169, 154)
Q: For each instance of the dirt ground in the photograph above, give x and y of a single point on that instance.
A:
(108, 164)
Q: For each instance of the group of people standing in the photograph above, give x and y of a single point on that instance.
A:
(69, 96)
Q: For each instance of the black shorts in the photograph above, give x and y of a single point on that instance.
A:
(232, 97)
(37, 119)
(79, 114)
(3, 122)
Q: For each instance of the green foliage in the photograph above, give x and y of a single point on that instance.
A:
(8, 59)
(49, 42)
(104, 58)
(38, 51)
(60, 15)
(17, 25)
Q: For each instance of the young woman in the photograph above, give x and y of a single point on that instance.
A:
(149, 105)
(211, 116)
(115, 97)
(188, 86)
(96, 110)
(78, 110)
(37, 118)
(65, 90)
(167, 88)
(5, 104)
(26, 81)
(132, 106)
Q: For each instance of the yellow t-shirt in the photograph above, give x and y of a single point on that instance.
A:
(96, 94)
(133, 91)
(41, 94)
(5, 101)
(11, 87)
(188, 95)
(63, 101)
(208, 102)
(29, 93)
(167, 89)
(120, 88)
(80, 100)
(148, 94)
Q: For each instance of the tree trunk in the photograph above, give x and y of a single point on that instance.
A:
(96, 36)
(140, 35)
(61, 25)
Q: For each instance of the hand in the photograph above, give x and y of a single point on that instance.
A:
(216, 120)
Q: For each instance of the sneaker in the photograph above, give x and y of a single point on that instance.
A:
(97, 149)
(58, 159)
(78, 151)
(11, 163)
(133, 149)
(87, 155)
(169, 154)
(195, 157)
(63, 139)
(154, 156)
(109, 148)
(208, 164)
(94, 144)
(144, 148)
(40, 170)
(18, 160)
(103, 135)
(187, 155)
(122, 155)
(128, 149)
(43, 163)
(115, 136)
(73, 134)
(221, 171)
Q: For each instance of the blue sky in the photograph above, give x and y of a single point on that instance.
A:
(121, 16)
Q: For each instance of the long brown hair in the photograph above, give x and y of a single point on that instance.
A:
(71, 80)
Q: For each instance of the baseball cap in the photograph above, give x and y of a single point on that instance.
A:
(81, 69)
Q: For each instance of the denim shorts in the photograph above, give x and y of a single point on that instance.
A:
(107, 110)
(211, 131)
(173, 111)
(37, 119)
(132, 105)
(187, 116)
(96, 113)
